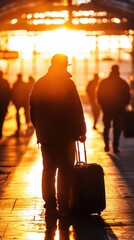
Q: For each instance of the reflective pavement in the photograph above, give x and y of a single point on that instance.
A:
(21, 205)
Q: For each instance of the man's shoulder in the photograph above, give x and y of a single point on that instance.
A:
(40, 81)
(4, 83)
(39, 85)
(44, 77)
(90, 83)
(103, 81)
(124, 82)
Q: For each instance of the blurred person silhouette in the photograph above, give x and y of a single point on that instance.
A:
(30, 84)
(5, 95)
(20, 100)
(58, 118)
(91, 92)
(113, 96)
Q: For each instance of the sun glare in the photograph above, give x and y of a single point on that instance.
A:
(62, 40)
(86, 51)
(66, 41)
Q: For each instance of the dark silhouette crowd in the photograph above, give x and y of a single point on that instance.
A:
(20, 97)
(18, 94)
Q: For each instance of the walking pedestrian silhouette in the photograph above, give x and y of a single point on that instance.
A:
(91, 92)
(113, 96)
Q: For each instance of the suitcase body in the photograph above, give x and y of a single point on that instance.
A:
(88, 189)
(128, 124)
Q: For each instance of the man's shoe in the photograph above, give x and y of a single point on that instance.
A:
(116, 150)
(17, 133)
(106, 148)
(94, 127)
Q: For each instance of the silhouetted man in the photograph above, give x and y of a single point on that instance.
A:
(5, 95)
(57, 116)
(91, 92)
(113, 96)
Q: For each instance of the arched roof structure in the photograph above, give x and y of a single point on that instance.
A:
(122, 7)
(28, 15)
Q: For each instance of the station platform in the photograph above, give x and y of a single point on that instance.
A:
(21, 205)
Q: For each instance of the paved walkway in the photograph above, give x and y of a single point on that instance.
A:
(21, 211)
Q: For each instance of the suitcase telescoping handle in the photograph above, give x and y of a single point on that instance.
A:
(78, 155)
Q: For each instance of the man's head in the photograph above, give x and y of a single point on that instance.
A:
(96, 76)
(115, 69)
(59, 60)
(19, 76)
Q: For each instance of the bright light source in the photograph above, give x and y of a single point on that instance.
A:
(14, 21)
(116, 20)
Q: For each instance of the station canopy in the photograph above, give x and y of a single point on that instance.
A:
(89, 15)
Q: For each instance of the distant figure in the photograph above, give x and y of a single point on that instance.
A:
(91, 92)
(5, 95)
(113, 96)
(58, 118)
(20, 99)
(30, 85)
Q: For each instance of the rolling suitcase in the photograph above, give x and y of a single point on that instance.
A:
(128, 124)
(88, 187)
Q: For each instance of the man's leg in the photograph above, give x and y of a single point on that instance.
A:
(116, 133)
(2, 117)
(48, 178)
(18, 119)
(27, 114)
(65, 172)
(107, 125)
(96, 113)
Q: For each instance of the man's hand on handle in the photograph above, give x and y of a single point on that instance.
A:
(82, 138)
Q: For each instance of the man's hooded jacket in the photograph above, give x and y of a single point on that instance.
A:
(56, 110)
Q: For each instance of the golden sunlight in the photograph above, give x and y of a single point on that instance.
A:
(35, 182)
(87, 52)
(66, 41)
(62, 40)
